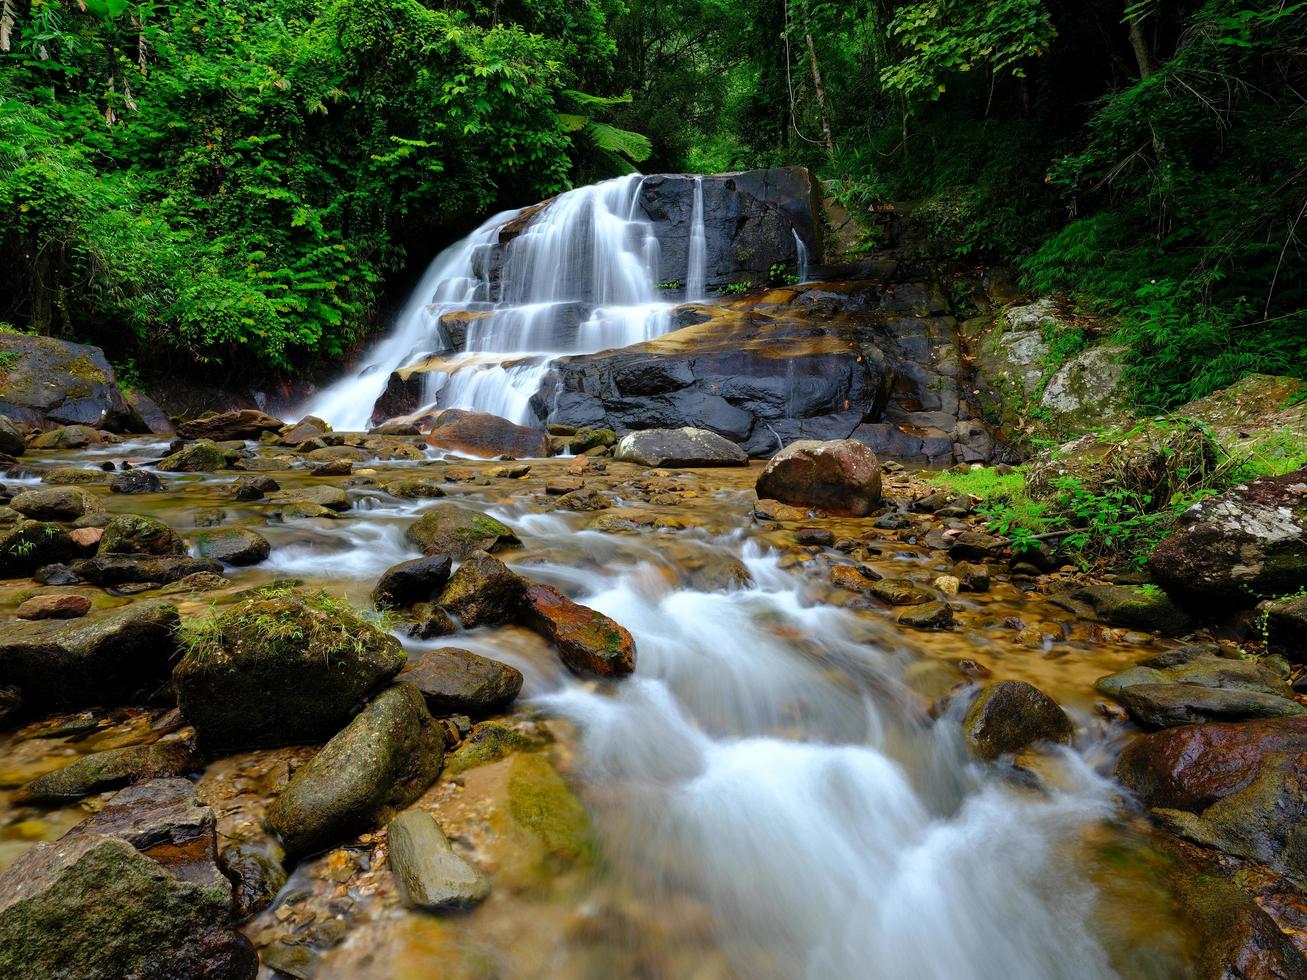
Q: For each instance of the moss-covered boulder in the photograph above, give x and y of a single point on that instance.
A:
(135, 534)
(323, 495)
(282, 666)
(47, 382)
(76, 476)
(588, 642)
(112, 571)
(447, 529)
(414, 489)
(483, 592)
(233, 546)
(378, 764)
(1010, 716)
(71, 437)
(1136, 607)
(541, 802)
(109, 769)
(119, 656)
(27, 545)
(56, 504)
(197, 457)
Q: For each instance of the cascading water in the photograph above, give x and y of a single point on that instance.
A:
(696, 272)
(580, 277)
(801, 251)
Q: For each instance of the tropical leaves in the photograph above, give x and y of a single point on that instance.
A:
(623, 148)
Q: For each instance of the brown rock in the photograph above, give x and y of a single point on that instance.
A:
(839, 476)
(486, 435)
(66, 605)
(247, 423)
(588, 642)
(87, 537)
(1010, 716)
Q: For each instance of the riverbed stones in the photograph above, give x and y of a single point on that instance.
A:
(283, 666)
(588, 642)
(197, 457)
(411, 582)
(109, 769)
(380, 762)
(927, 616)
(135, 482)
(135, 534)
(447, 529)
(64, 605)
(1247, 542)
(75, 476)
(1010, 716)
(233, 546)
(686, 446)
(485, 435)
(840, 476)
(414, 489)
(973, 545)
(255, 871)
(483, 591)
(56, 504)
(119, 656)
(455, 681)
(428, 874)
(245, 423)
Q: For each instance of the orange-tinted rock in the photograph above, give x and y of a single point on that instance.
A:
(840, 476)
(87, 538)
(65, 606)
(482, 434)
(588, 642)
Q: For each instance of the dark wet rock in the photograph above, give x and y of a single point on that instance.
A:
(113, 571)
(249, 488)
(56, 504)
(683, 446)
(246, 423)
(1202, 670)
(233, 546)
(447, 529)
(901, 592)
(1136, 607)
(66, 605)
(971, 578)
(1240, 788)
(583, 440)
(491, 741)
(332, 498)
(136, 481)
(334, 467)
(482, 434)
(977, 546)
(432, 621)
(196, 582)
(1286, 627)
(411, 582)
(819, 537)
(455, 681)
(428, 874)
(927, 616)
(585, 500)
(893, 521)
(282, 666)
(198, 457)
(414, 489)
(120, 656)
(1248, 542)
(842, 477)
(256, 873)
(380, 762)
(588, 642)
(483, 591)
(56, 574)
(856, 578)
(109, 769)
(1010, 716)
(29, 545)
(53, 382)
(1168, 705)
(134, 534)
(12, 440)
(716, 571)
(155, 419)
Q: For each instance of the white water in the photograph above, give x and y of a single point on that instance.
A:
(801, 251)
(696, 262)
(581, 277)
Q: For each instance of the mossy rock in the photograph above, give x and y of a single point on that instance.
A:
(483, 592)
(491, 741)
(27, 545)
(542, 803)
(282, 666)
(135, 534)
(74, 476)
(198, 457)
(447, 529)
(587, 439)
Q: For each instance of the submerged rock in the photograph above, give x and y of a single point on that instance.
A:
(455, 681)
(486, 435)
(679, 447)
(1010, 716)
(928, 616)
(120, 656)
(588, 642)
(233, 546)
(842, 477)
(412, 582)
(483, 592)
(380, 762)
(283, 666)
(198, 457)
(256, 874)
(428, 874)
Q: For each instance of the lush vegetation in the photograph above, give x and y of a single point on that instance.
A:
(238, 182)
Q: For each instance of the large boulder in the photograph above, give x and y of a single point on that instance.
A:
(483, 434)
(460, 682)
(71, 437)
(197, 457)
(1240, 788)
(51, 382)
(1010, 716)
(1249, 542)
(680, 447)
(233, 546)
(1135, 607)
(120, 656)
(483, 591)
(245, 423)
(379, 763)
(1286, 627)
(131, 892)
(56, 503)
(134, 534)
(588, 642)
(447, 529)
(428, 874)
(282, 666)
(1168, 705)
(842, 477)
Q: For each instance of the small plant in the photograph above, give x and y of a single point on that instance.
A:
(671, 284)
(738, 288)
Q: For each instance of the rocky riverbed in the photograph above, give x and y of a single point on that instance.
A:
(317, 703)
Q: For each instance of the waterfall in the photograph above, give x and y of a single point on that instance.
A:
(801, 251)
(696, 266)
(580, 277)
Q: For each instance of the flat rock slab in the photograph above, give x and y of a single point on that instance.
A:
(1167, 705)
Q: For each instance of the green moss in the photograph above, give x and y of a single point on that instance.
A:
(542, 802)
(489, 742)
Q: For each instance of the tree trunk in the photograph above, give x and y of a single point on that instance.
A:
(1143, 57)
(42, 292)
(820, 89)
